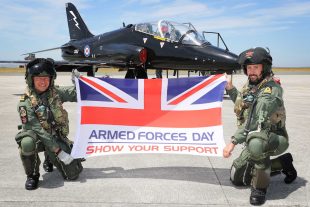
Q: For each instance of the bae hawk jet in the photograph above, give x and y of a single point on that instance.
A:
(137, 47)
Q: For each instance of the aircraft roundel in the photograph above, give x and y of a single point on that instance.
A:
(86, 51)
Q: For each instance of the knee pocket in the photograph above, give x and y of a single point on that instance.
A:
(28, 145)
(71, 171)
(241, 169)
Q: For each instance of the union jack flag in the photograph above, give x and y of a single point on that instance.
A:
(176, 104)
(182, 102)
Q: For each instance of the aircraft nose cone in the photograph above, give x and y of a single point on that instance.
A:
(221, 60)
(227, 61)
(232, 60)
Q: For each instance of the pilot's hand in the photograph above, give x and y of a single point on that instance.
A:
(75, 74)
(229, 84)
(65, 157)
(228, 150)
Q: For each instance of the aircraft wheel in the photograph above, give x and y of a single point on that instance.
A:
(130, 74)
(159, 73)
(91, 73)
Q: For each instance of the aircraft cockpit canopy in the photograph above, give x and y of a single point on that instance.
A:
(184, 33)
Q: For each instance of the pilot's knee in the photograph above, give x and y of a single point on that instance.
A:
(282, 147)
(27, 145)
(256, 147)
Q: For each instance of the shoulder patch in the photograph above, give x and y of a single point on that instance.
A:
(267, 90)
(23, 114)
(22, 98)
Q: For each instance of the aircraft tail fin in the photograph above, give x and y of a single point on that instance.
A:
(77, 28)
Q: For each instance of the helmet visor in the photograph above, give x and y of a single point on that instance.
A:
(255, 56)
(42, 69)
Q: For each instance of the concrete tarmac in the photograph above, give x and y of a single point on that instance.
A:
(153, 180)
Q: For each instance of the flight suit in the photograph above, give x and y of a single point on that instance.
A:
(45, 126)
(261, 126)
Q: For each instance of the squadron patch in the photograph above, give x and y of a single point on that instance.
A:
(267, 90)
(22, 98)
(23, 114)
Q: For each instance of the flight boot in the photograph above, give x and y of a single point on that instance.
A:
(32, 182)
(47, 164)
(31, 165)
(258, 196)
(288, 168)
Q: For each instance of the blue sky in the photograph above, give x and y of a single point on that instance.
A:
(281, 25)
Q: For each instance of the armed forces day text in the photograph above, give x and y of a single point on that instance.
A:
(105, 135)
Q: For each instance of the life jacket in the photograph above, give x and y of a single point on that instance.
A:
(52, 116)
(276, 120)
(245, 99)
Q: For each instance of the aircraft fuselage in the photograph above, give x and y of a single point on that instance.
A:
(122, 47)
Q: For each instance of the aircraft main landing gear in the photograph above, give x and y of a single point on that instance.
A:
(138, 72)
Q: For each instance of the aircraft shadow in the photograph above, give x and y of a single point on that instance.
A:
(217, 176)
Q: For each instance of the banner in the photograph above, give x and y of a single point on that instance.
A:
(181, 115)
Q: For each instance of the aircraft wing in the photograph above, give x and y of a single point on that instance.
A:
(30, 53)
(65, 66)
(14, 61)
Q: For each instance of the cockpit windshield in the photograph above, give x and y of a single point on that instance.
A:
(172, 31)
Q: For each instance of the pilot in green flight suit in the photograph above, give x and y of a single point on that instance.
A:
(45, 123)
(260, 112)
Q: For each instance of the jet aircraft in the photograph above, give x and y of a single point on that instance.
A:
(138, 47)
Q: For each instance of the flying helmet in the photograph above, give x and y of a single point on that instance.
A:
(40, 67)
(256, 55)
(164, 28)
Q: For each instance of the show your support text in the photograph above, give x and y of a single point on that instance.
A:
(151, 148)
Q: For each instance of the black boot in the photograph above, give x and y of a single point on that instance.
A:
(288, 168)
(257, 196)
(32, 182)
(47, 165)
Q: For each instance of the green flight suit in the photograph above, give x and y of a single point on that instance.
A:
(45, 126)
(264, 133)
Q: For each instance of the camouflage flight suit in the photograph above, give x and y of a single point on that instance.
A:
(45, 125)
(261, 126)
